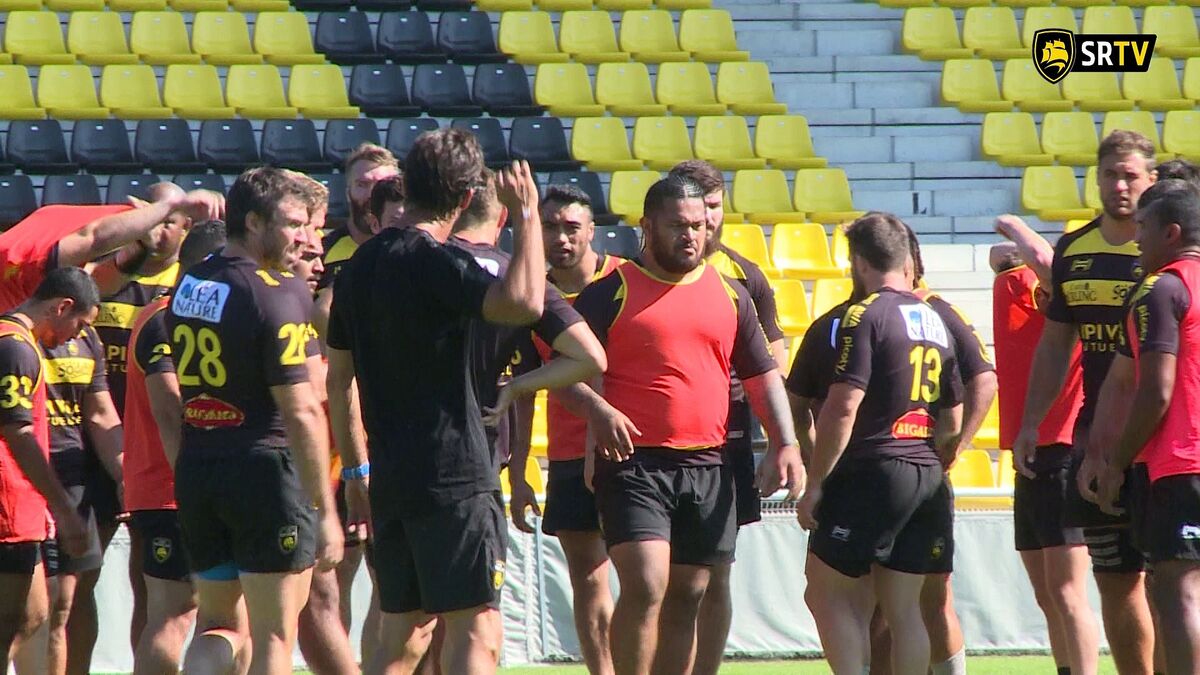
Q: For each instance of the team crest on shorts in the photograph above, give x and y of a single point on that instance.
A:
(498, 574)
(289, 536)
(939, 548)
(161, 546)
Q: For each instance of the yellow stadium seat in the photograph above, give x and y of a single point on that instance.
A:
(284, 40)
(1091, 189)
(687, 89)
(601, 143)
(932, 33)
(320, 92)
(1026, 87)
(564, 5)
(764, 197)
(683, 5)
(160, 38)
(649, 34)
(1141, 121)
(973, 469)
(1037, 18)
(1191, 78)
(749, 240)
(708, 34)
(1109, 19)
(1011, 140)
(1176, 31)
(222, 38)
(589, 37)
(627, 192)
(992, 33)
(566, 90)
(1095, 92)
(20, 5)
(1052, 193)
(1157, 88)
(98, 38)
(746, 89)
(623, 5)
(257, 92)
(801, 251)
(962, 4)
(258, 6)
(785, 142)
(724, 142)
(137, 5)
(1006, 475)
(829, 293)
(194, 91)
(1075, 224)
(1181, 133)
(198, 5)
(824, 194)
(661, 142)
(131, 92)
(731, 216)
(791, 305)
(988, 436)
(528, 38)
(75, 5)
(16, 95)
(504, 5)
(36, 39)
(540, 438)
(624, 88)
(906, 3)
(1070, 137)
(970, 85)
(68, 92)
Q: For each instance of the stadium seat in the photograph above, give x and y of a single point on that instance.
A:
(564, 5)
(649, 34)
(402, 133)
(200, 181)
(624, 88)
(16, 95)
(824, 194)
(160, 38)
(724, 142)
(194, 92)
(1052, 193)
(1070, 137)
(38, 146)
(962, 4)
(619, 240)
(970, 85)
(320, 92)
(502, 89)
(35, 39)
(22, 5)
(102, 146)
(407, 37)
(542, 142)
(1024, 85)
(69, 92)
(746, 89)
(1109, 19)
(686, 89)
(973, 469)
(683, 5)
(839, 248)
(801, 251)
(257, 92)
(627, 192)
(98, 39)
(345, 37)
(1095, 92)
(590, 183)
(1141, 121)
(1076, 223)
(137, 5)
(565, 90)
(1011, 139)
(988, 436)
(785, 142)
(258, 6)
(1091, 189)
(992, 33)
(227, 146)
(932, 34)
(491, 139)
(528, 38)
(623, 5)
(441, 90)
(343, 136)
(194, 6)
(829, 293)
(283, 39)
(123, 186)
(164, 145)
(380, 90)
(1006, 475)
(1191, 78)
(589, 37)
(1176, 31)
(749, 240)
(222, 38)
(466, 37)
(17, 200)
(791, 306)
(323, 5)
(763, 196)
(1181, 134)
(78, 189)
(292, 144)
(708, 34)
(661, 142)
(601, 144)
(1038, 18)
(339, 207)
(1157, 88)
(443, 5)
(505, 5)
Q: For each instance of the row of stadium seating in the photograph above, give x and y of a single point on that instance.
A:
(236, 5)
(583, 5)
(1071, 4)
(1052, 192)
(1070, 137)
(991, 32)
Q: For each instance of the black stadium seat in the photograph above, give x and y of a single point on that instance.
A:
(227, 146)
(6, 167)
(201, 181)
(380, 90)
(321, 5)
(102, 146)
(542, 142)
(441, 90)
(166, 145)
(121, 187)
(619, 240)
(292, 144)
(343, 136)
(467, 38)
(402, 133)
(382, 5)
(37, 146)
(336, 182)
(73, 189)
(443, 5)
(407, 37)
(17, 200)
(590, 183)
(345, 37)
(491, 139)
(503, 90)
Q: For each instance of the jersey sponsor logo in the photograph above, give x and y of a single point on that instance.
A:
(1096, 292)
(62, 413)
(206, 412)
(840, 533)
(913, 425)
(200, 299)
(854, 315)
(1142, 314)
(115, 315)
(70, 370)
(492, 266)
(924, 325)
(1099, 337)
(1081, 265)
(162, 548)
(289, 538)
(1189, 532)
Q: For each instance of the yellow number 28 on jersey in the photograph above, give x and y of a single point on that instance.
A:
(297, 336)
(209, 368)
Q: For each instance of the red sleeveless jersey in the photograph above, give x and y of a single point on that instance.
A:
(23, 514)
(149, 480)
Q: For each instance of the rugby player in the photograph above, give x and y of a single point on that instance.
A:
(387, 200)
(1093, 271)
(255, 508)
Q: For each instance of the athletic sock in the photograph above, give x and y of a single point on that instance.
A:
(955, 665)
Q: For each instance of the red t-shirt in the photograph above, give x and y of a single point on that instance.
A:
(149, 480)
(23, 515)
(1017, 327)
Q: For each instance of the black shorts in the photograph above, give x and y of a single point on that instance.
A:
(58, 561)
(939, 513)
(246, 510)
(1137, 503)
(889, 512)
(1113, 551)
(103, 494)
(739, 455)
(163, 554)
(20, 558)
(1079, 512)
(1038, 505)
(570, 505)
(447, 559)
(647, 499)
(1173, 519)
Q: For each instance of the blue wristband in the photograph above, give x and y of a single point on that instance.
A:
(357, 473)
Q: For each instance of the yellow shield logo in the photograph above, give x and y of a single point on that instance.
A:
(1053, 53)
(162, 549)
(289, 536)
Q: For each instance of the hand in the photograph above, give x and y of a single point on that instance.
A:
(521, 498)
(358, 510)
(201, 205)
(136, 202)
(806, 508)
(1006, 224)
(492, 416)
(782, 468)
(330, 544)
(1110, 481)
(612, 433)
(1024, 452)
(71, 532)
(516, 188)
(1090, 471)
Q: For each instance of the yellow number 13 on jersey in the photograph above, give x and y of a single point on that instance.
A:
(209, 368)
(927, 374)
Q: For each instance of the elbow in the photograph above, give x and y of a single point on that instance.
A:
(597, 361)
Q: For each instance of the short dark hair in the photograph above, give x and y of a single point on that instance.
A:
(1180, 169)
(706, 175)
(565, 194)
(1124, 142)
(259, 191)
(881, 239)
(914, 249)
(202, 240)
(440, 169)
(1173, 201)
(479, 208)
(672, 188)
(69, 282)
(390, 189)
